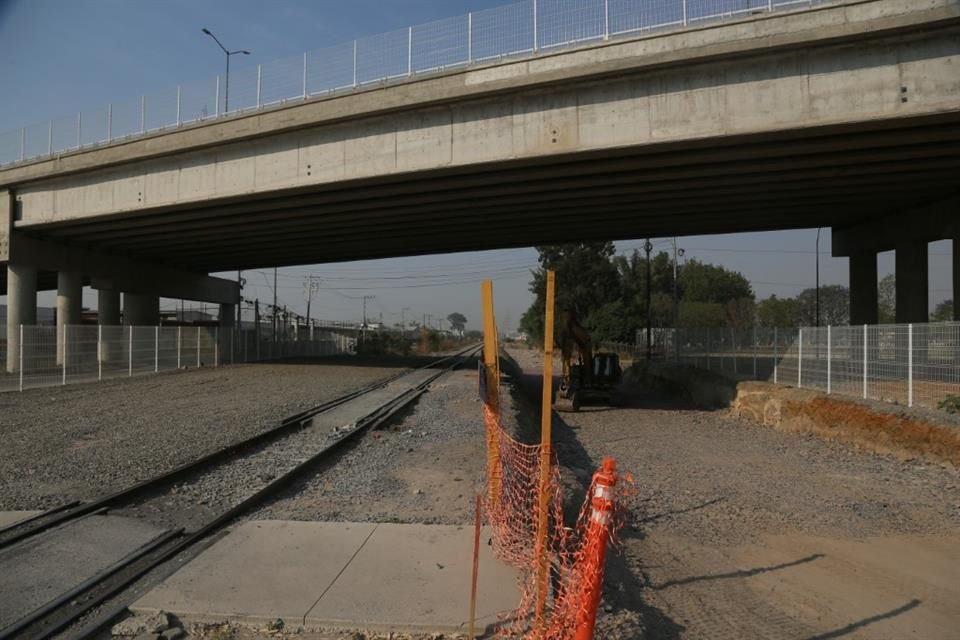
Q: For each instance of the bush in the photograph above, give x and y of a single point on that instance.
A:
(950, 404)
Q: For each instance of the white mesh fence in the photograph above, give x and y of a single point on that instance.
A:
(526, 27)
(916, 364)
(89, 353)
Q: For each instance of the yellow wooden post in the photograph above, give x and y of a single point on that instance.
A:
(492, 381)
(543, 574)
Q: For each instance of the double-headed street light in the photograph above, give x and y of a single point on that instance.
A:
(226, 90)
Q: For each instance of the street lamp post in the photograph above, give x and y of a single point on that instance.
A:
(226, 90)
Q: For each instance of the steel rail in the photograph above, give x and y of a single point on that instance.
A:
(67, 513)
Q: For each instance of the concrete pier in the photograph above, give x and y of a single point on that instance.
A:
(863, 288)
(141, 309)
(21, 308)
(69, 305)
(108, 307)
(912, 269)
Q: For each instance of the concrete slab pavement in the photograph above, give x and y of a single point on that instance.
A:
(8, 518)
(41, 568)
(400, 577)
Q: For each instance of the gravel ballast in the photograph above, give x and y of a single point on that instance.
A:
(426, 466)
(84, 441)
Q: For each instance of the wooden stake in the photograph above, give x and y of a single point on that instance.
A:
(543, 574)
(476, 570)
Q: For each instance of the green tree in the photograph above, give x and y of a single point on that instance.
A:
(943, 312)
(701, 282)
(887, 299)
(779, 312)
(834, 305)
(586, 280)
(458, 322)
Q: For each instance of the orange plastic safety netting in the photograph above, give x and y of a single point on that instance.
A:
(574, 553)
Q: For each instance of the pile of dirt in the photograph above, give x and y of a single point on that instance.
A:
(849, 422)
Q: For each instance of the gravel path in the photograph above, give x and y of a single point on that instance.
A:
(741, 531)
(426, 467)
(81, 442)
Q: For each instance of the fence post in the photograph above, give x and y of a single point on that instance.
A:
(776, 366)
(216, 347)
(156, 349)
(216, 109)
(50, 136)
(64, 380)
(829, 361)
(233, 351)
(409, 51)
(800, 358)
(143, 114)
(22, 347)
(606, 19)
(23, 143)
(259, 83)
(130, 353)
(535, 35)
(684, 12)
(864, 362)
(198, 347)
(909, 364)
(178, 105)
(469, 37)
(304, 75)
(733, 349)
(99, 352)
(79, 127)
(354, 63)
(754, 352)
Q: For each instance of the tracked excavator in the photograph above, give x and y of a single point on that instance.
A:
(590, 379)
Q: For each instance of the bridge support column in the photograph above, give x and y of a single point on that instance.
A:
(108, 307)
(863, 288)
(912, 282)
(69, 305)
(21, 309)
(141, 309)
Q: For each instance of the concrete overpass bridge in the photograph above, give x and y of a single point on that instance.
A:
(845, 115)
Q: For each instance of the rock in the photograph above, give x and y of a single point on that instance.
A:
(138, 625)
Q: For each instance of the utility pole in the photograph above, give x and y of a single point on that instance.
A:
(403, 321)
(274, 304)
(363, 325)
(648, 247)
(310, 287)
(676, 304)
(818, 277)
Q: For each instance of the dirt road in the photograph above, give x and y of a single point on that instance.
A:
(744, 532)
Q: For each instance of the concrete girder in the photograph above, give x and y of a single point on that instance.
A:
(119, 273)
(930, 222)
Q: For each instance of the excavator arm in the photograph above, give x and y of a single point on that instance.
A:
(572, 335)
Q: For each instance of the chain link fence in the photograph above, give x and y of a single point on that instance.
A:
(523, 28)
(89, 353)
(911, 364)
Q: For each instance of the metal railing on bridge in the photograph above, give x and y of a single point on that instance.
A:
(527, 28)
(89, 353)
(910, 364)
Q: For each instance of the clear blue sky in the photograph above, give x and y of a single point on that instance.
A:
(60, 56)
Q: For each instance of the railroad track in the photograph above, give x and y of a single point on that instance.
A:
(169, 500)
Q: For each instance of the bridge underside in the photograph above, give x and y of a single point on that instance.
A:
(829, 176)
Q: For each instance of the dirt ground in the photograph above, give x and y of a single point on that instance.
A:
(742, 531)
